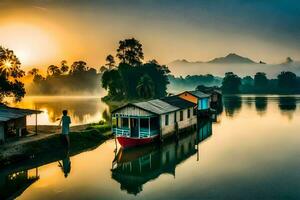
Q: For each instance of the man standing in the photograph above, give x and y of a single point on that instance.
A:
(65, 122)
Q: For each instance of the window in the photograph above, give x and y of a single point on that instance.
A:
(188, 113)
(194, 111)
(167, 120)
(181, 115)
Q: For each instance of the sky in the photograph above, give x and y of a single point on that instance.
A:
(44, 32)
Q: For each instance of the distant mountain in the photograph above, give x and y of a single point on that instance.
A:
(183, 61)
(232, 58)
(287, 61)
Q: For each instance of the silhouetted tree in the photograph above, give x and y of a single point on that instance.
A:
(103, 69)
(78, 67)
(53, 71)
(145, 87)
(130, 52)
(10, 72)
(33, 71)
(231, 83)
(287, 80)
(64, 68)
(260, 80)
(110, 62)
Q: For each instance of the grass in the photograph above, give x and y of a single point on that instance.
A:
(53, 148)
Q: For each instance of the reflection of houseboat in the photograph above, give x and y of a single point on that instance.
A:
(13, 184)
(134, 167)
(141, 123)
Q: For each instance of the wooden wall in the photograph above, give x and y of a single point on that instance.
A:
(186, 122)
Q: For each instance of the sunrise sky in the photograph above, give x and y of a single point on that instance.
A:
(44, 32)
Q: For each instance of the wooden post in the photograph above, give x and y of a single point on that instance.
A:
(149, 126)
(36, 128)
(139, 126)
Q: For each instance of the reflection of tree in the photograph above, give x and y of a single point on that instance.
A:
(232, 104)
(261, 104)
(287, 105)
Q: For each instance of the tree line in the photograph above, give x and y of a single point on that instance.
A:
(64, 79)
(286, 83)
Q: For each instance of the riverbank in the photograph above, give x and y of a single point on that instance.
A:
(46, 148)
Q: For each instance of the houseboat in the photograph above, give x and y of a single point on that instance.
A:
(141, 123)
(133, 168)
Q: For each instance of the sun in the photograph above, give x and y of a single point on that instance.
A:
(5, 66)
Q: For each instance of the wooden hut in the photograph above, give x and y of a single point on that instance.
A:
(13, 121)
(199, 98)
(141, 123)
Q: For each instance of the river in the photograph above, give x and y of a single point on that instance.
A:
(81, 109)
(251, 151)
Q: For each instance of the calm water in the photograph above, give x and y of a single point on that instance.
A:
(82, 109)
(252, 151)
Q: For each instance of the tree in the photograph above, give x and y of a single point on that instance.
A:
(231, 83)
(36, 76)
(78, 67)
(33, 71)
(64, 68)
(53, 71)
(287, 80)
(145, 87)
(130, 52)
(247, 80)
(10, 72)
(260, 80)
(110, 62)
(103, 69)
(112, 81)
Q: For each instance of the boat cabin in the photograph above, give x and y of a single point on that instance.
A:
(158, 117)
(199, 98)
(141, 120)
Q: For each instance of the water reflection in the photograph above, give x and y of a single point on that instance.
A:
(65, 164)
(134, 167)
(12, 184)
(232, 105)
(261, 104)
(81, 109)
(287, 106)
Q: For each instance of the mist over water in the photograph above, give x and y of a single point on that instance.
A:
(272, 70)
(82, 109)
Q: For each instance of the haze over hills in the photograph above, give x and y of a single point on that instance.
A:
(234, 63)
(232, 58)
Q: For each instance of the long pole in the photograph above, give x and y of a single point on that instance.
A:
(36, 128)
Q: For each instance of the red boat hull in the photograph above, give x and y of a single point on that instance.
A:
(127, 142)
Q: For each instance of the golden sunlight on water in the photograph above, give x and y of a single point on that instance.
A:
(253, 147)
(82, 109)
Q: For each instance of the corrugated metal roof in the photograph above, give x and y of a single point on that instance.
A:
(199, 94)
(9, 113)
(178, 102)
(156, 106)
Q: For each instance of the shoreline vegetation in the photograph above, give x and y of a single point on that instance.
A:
(50, 147)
